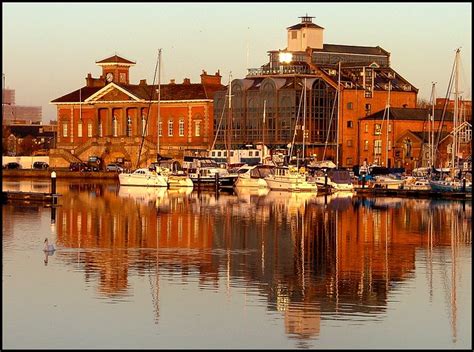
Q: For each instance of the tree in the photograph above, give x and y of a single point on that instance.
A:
(423, 103)
(26, 146)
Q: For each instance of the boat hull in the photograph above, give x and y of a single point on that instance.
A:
(283, 184)
(146, 181)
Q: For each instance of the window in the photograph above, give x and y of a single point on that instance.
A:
(123, 77)
(115, 126)
(389, 145)
(389, 127)
(250, 153)
(366, 128)
(129, 126)
(160, 128)
(294, 34)
(368, 107)
(349, 124)
(170, 128)
(64, 129)
(366, 145)
(143, 125)
(197, 129)
(377, 129)
(349, 162)
(378, 147)
(89, 129)
(100, 128)
(181, 127)
(349, 142)
(350, 106)
(79, 129)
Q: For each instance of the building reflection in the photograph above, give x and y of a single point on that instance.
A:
(309, 256)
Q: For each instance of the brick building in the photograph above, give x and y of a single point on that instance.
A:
(366, 83)
(109, 116)
(13, 113)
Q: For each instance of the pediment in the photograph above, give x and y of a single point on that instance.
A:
(114, 95)
(112, 92)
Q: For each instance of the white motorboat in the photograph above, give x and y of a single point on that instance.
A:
(337, 180)
(286, 178)
(253, 176)
(143, 177)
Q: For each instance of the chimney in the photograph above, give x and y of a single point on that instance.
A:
(210, 80)
(143, 82)
(186, 81)
(89, 80)
(172, 81)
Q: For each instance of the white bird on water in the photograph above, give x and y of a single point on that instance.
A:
(48, 247)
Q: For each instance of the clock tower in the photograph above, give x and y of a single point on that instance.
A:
(116, 69)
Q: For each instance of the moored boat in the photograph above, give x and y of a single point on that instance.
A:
(143, 177)
(289, 179)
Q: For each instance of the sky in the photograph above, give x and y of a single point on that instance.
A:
(49, 48)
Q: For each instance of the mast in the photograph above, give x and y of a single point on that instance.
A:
(304, 118)
(388, 120)
(229, 120)
(263, 130)
(431, 127)
(159, 99)
(456, 112)
(338, 114)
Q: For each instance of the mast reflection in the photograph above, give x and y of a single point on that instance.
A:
(310, 256)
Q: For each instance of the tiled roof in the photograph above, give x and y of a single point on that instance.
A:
(115, 59)
(352, 49)
(83, 93)
(409, 114)
(304, 25)
(146, 92)
(424, 136)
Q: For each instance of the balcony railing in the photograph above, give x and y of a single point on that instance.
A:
(282, 70)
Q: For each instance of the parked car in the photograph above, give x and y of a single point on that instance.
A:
(114, 167)
(79, 166)
(95, 163)
(12, 165)
(40, 165)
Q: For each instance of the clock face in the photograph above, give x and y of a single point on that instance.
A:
(109, 77)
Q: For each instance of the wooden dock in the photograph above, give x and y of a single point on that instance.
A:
(409, 193)
(30, 197)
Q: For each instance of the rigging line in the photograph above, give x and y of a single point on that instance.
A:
(149, 111)
(329, 126)
(440, 126)
(220, 123)
(296, 124)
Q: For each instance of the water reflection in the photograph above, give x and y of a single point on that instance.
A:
(312, 258)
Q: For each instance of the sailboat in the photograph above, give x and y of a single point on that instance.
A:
(290, 178)
(454, 182)
(325, 172)
(149, 177)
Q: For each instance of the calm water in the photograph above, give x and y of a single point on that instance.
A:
(144, 268)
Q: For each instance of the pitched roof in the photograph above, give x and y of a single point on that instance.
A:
(192, 91)
(409, 114)
(353, 49)
(83, 93)
(304, 25)
(115, 59)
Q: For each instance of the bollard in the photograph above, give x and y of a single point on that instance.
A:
(363, 181)
(326, 182)
(216, 180)
(199, 180)
(53, 186)
(464, 184)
